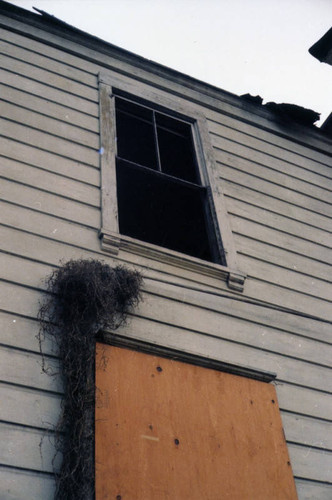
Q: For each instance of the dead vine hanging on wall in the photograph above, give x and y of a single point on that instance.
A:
(85, 296)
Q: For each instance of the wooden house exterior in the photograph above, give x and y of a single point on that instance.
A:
(265, 305)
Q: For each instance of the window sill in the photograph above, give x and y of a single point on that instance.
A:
(114, 242)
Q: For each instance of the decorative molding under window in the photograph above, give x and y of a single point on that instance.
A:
(114, 242)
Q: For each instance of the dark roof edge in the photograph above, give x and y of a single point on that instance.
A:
(321, 48)
(51, 24)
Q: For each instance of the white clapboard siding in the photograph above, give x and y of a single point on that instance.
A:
(307, 431)
(310, 462)
(313, 491)
(199, 320)
(26, 369)
(50, 203)
(51, 252)
(47, 181)
(287, 278)
(217, 119)
(47, 124)
(280, 157)
(47, 142)
(49, 226)
(27, 448)
(255, 313)
(283, 297)
(219, 132)
(305, 401)
(174, 84)
(22, 332)
(288, 369)
(50, 109)
(280, 192)
(29, 407)
(316, 188)
(19, 484)
(49, 78)
(51, 52)
(47, 92)
(25, 54)
(279, 222)
(45, 160)
(282, 257)
(281, 239)
(257, 197)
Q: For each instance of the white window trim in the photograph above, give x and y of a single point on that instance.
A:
(111, 240)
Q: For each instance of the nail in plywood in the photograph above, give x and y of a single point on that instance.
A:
(167, 429)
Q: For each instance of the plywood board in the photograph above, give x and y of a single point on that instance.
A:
(166, 429)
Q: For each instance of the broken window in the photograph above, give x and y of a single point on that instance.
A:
(161, 197)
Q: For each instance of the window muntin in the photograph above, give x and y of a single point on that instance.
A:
(160, 196)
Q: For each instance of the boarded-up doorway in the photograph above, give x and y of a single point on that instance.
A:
(172, 430)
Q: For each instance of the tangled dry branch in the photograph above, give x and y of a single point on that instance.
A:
(84, 297)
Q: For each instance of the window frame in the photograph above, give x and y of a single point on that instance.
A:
(112, 241)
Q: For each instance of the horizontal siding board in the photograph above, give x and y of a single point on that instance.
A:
(48, 161)
(281, 239)
(49, 51)
(41, 249)
(46, 92)
(284, 297)
(176, 84)
(310, 463)
(307, 431)
(219, 325)
(50, 109)
(27, 69)
(20, 332)
(219, 133)
(285, 277)
(286, 368)
(260, 199)
(307, 490)
(218, 119)
(306, 183)
(45, 141)
(304, 401)
(49, 203)
(47, 181)
(279, 222)
(49, 226)
(239, 309)
(26, 448)
(50, 252)
(25, 369)
(264, 156)
(193, 318)
(269, 188)
(281, 257)
(26, 485)
(41, 60)
(29, 407)
(292, 370)
(48, 125)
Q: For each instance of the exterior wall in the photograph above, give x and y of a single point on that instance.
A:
(277, 192)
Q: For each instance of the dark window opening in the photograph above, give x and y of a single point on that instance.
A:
(160, 196)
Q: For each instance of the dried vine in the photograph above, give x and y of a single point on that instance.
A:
(85, 296)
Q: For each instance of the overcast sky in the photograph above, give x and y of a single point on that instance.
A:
(255, 46)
